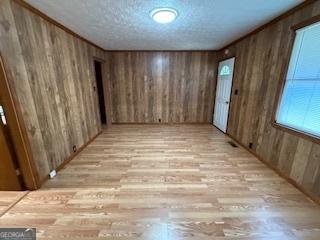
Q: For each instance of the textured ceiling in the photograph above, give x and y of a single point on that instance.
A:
(126, 24)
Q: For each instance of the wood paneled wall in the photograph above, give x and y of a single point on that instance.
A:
(52, 76)
(260, 61)
(148, 87)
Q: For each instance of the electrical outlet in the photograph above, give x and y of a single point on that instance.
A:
(53, 173)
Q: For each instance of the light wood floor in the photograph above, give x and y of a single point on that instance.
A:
(8, 199)
(166, 182)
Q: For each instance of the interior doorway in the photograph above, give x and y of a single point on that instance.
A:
(10, 176)
(100, 91)
(223, 94)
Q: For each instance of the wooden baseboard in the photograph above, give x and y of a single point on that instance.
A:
(312, 197)
(72, 156)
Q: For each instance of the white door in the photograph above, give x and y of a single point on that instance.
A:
(223, 92)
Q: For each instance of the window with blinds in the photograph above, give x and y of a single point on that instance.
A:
(299, 106)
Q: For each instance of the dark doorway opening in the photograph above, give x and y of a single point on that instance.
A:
(98, 70)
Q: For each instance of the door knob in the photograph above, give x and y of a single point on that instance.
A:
(2, 116)
(227, 102)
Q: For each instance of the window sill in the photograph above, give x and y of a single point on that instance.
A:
(297, 133)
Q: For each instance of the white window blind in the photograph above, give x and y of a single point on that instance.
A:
(300, 102)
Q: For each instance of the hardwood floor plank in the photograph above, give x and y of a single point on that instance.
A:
(166, 182)
(8, 199)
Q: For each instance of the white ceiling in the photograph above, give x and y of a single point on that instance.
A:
(126, 24)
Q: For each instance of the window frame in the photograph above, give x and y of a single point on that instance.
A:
(283, 79)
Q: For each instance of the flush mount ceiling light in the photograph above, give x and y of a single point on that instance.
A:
(164, 15)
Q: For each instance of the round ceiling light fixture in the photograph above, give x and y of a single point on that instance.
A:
(164, 15)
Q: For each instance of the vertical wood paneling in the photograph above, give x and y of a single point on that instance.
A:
(166, 86)
(52, 76)
(260, 61)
